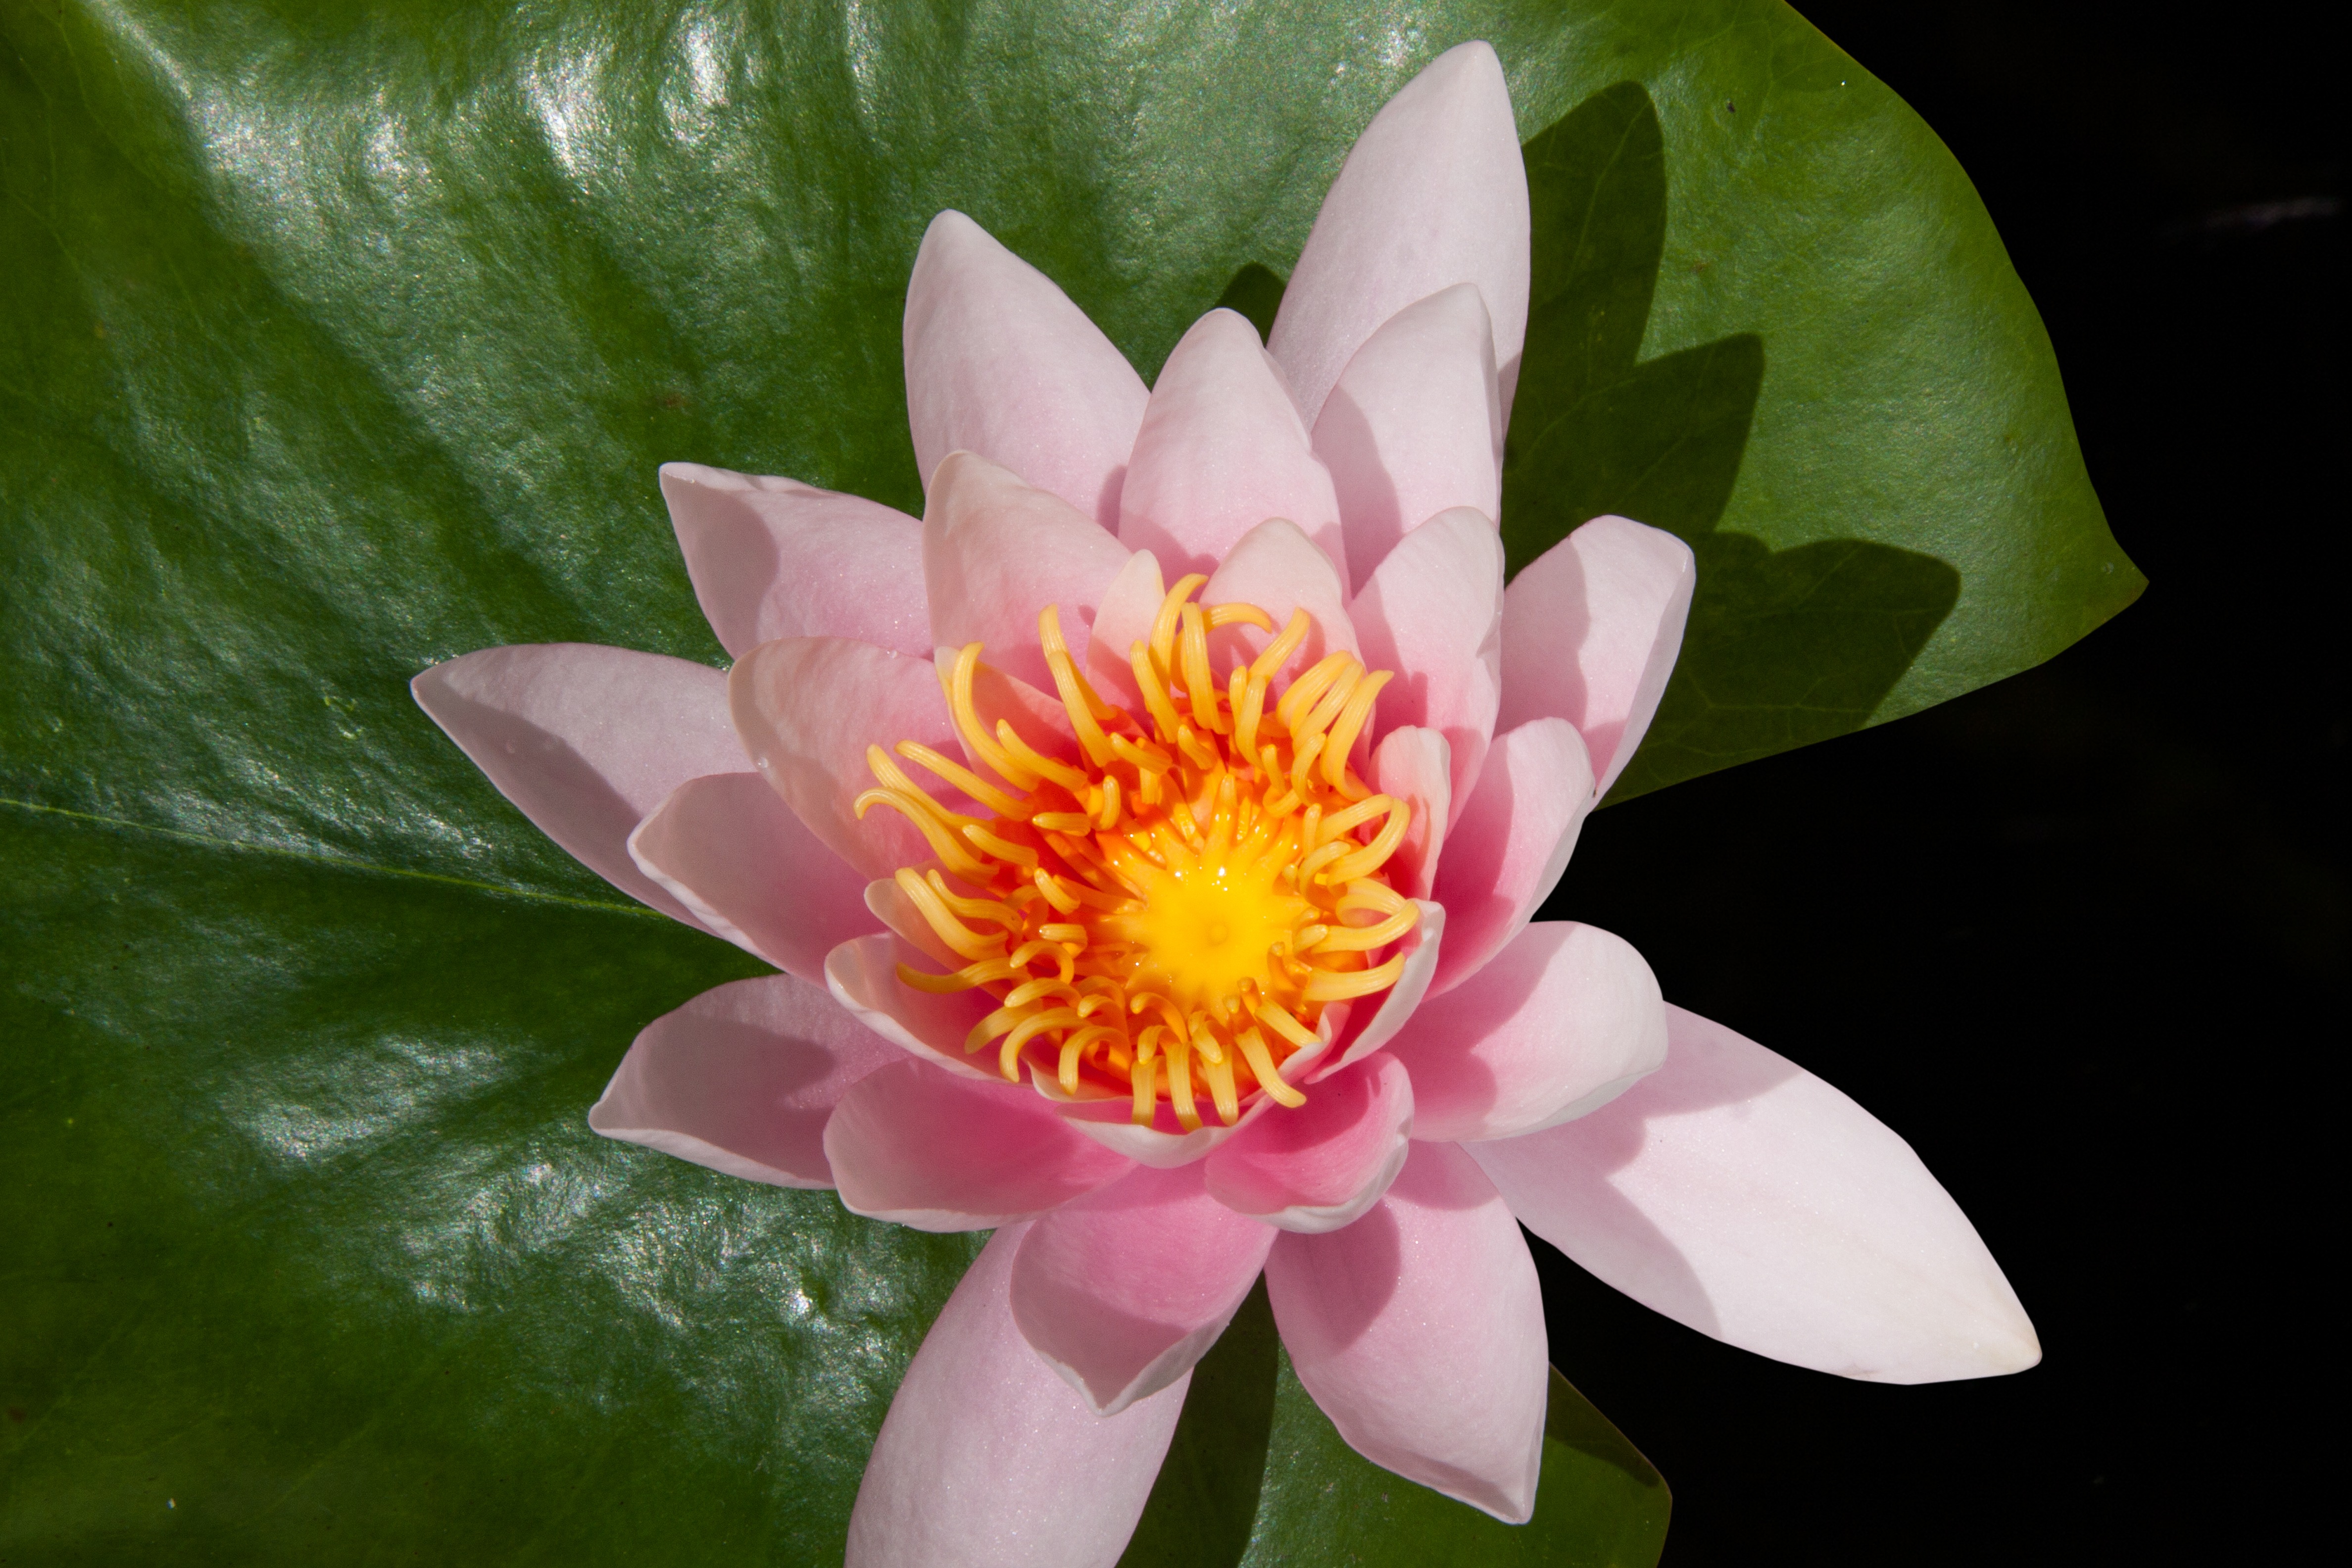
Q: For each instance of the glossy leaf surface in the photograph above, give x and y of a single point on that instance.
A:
(341, 339)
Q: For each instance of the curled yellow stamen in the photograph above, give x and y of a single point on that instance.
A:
(1198, 866)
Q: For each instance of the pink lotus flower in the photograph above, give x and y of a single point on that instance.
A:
(1051, 851)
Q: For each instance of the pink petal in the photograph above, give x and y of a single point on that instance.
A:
(999, 363)
(742, 1079)
(1415, 425)
(1590, 634)
(733, 853)
(1435, 193)
(1321, 1165)
(1434, 613)
(996, 552)
(989, 1460)
(928, 1149)
(1737, 1192)
(585, 740)
(807, 709)
(1415, 765)
(1123, 1290)
(1279, 570)
(1222, 449)
(1419, 1331)
(1124, 619)
(776, 558)
(1421, 947)
(1562, 1021)
(1511, 842)
(863, 975)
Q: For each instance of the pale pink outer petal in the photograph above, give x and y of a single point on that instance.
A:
(1511, 843)
(1422, 948)
(1590, 629)
(1321, 1165)
(742, 1079)
(1434, 613)
(1123, 1290)
(1124, 619)
(863, 975)
(996, 552)
(999, 363)
(1419, 1331)
(775, 558)
(1415, 425)
(586, 740)
(1435, 193)
(989, 1460)
(807, 708)
(928, 1149)
(1562, 1021)
(1222, 449)
(1414, 765)
(732, 852)
(1737, 1192)
(1278, 569)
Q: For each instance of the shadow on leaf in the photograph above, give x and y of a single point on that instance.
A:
(1784, 647)
(1203, 1507)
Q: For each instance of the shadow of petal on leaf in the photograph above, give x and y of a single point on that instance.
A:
(1203, 1508)
(1782, 648)
(1787, 647)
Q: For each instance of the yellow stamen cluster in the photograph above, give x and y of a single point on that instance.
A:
(1173, 909)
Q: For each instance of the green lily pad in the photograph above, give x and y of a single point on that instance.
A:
(341, 339)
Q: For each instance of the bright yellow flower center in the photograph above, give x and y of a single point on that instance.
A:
(1177, 906)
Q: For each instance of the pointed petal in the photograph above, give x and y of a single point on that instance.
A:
(742, 1079)
(1222, 449)
(807, 708)
(1435, 193)
(863, 975)
(775, 558)
(1415, 765)
(936, 1151)
(1434, 613)
(976, 1462)
(1422, 948)
(733, 853)
(999, 363)
(1562, 1021)
(1419, 1331)
(1124, 619)
(1123, 1290)
(1511, 843)
(996, 552)
(585, 740)
(1590, 634)
(1737, 1192)
(1321, 1165)
(1278, 569)
(1415, 425)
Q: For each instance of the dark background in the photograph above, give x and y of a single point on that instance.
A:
(2079, 936)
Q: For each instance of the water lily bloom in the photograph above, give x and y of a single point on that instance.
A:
(1149, 837)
